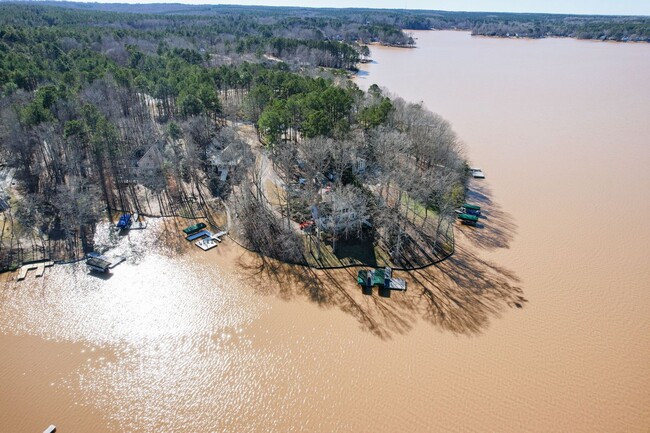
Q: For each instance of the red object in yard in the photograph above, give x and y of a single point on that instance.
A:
(305, 224)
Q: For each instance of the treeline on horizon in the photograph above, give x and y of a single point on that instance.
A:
(385, 24)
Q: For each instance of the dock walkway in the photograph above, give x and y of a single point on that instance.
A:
(198, 235)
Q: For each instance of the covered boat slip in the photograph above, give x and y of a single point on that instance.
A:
(124, 221)
(468, 219)
(98, 264)
(382, 278)
(469, 209)
(194, 228)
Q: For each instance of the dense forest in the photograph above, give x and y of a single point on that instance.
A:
(103, 112)
(180, 110)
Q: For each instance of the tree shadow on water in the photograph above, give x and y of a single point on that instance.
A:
(461, 294)
(380, 315)
(467, 292)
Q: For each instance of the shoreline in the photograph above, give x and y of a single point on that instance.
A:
(469, 31)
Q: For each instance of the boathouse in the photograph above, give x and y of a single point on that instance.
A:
(98, 264)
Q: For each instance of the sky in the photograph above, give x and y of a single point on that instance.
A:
(596, 7)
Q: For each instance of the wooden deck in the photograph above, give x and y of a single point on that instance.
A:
(138, 225)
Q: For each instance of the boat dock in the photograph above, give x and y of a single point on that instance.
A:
(206, 240)
(477, 173)
(39, 266)
(116, 261)
(131, 222)
(467, 219)
(469, 209)
(99, 263)
(193, 228)
(124, 222)
(138, 225)
(206, 244)
(219, 235)
(382, 277)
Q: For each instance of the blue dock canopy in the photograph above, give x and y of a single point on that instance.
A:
(124, 222)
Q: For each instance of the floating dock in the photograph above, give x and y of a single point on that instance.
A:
(39, 266)
(477, 173)
(206, 244)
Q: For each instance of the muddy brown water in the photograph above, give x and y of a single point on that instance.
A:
(539, 322)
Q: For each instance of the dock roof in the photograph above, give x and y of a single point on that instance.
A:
(99, 263)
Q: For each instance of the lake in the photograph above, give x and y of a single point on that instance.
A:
(539, 322)
(561, 128)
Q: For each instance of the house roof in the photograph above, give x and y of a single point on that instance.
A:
(225, 157)
(153, 156)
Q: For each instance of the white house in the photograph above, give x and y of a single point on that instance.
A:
(222, 161)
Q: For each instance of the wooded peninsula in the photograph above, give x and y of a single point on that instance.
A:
(244, 116)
